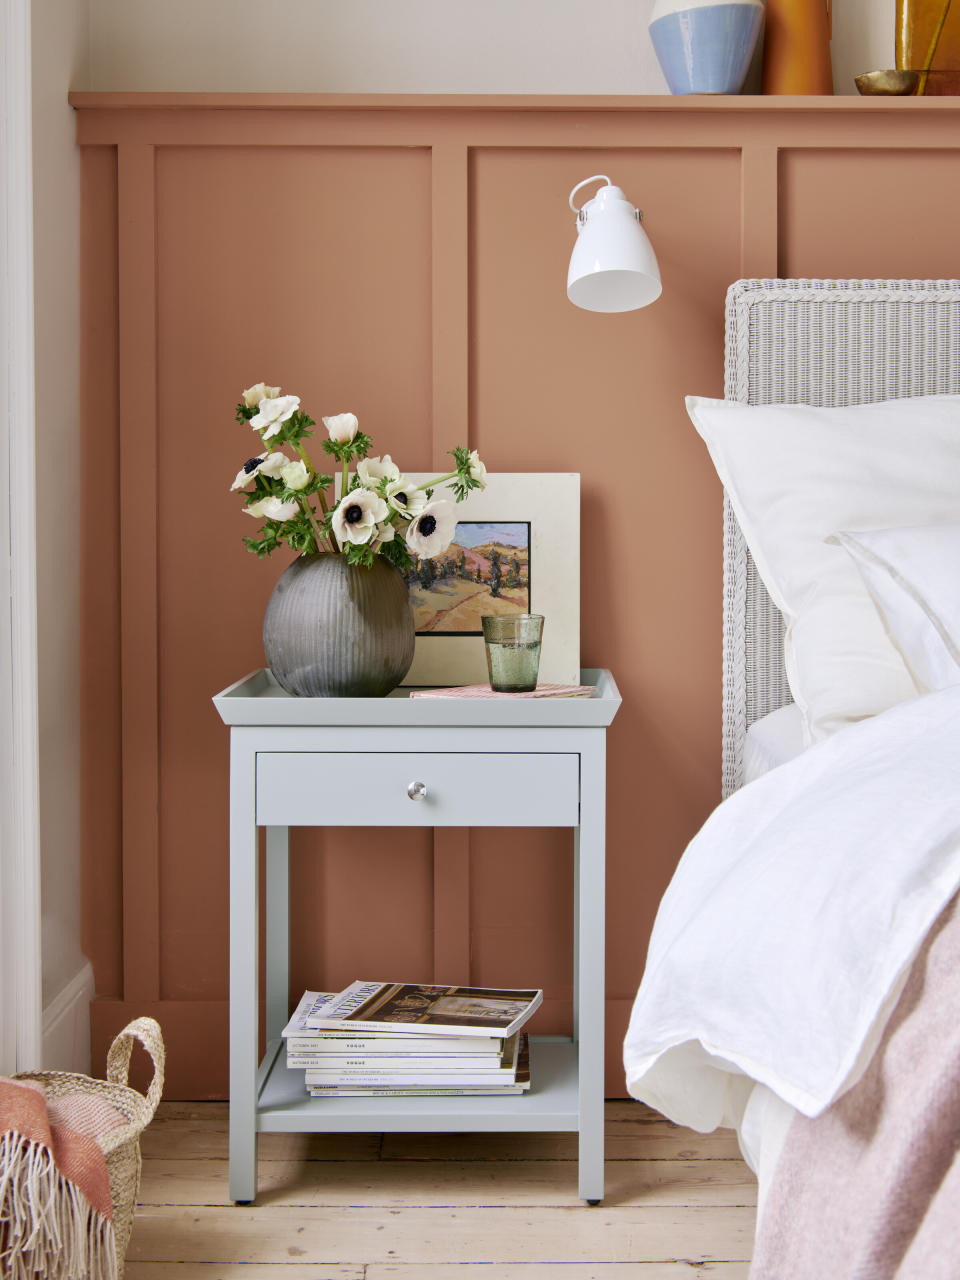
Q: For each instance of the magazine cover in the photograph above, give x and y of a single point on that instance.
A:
(481, 1011)
(311, 1002)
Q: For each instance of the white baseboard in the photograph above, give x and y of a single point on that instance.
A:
(66, 1025)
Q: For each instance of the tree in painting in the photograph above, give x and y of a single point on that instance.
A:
(496, 572)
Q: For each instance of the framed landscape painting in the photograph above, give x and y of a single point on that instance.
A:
(516, 550)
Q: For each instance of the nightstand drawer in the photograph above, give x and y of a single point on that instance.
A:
(417, 789)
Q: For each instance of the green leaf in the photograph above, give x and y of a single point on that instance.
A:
(361, 555)
(268, 541)
(463, 481)
(350, 449)
(397, 553)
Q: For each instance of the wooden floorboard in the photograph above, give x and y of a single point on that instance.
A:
(567, 1271)
(439, 1271)
(415, 1235)
(442, 1206)
(449, 1183)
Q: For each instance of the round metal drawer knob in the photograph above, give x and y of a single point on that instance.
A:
(417, 790)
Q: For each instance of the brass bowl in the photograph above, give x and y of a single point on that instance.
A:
(901, 84)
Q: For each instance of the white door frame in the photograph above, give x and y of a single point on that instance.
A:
(20, 960)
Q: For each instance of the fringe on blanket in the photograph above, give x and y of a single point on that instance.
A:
(47, 1227)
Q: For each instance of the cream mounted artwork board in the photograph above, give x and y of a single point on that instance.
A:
(516, 550)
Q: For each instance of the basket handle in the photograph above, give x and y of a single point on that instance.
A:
(147, 1031)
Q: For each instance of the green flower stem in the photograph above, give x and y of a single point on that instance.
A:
(305, 456)
(428, 484)
(317, 534)
(346, 478)
(313, 471)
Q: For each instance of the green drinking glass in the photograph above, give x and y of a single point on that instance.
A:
(512, 642)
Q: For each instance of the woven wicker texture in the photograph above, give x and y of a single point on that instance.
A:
(818, 342)
(115, 1114)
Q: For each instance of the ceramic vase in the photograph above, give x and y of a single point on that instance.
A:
(334, 630)
(922, 23)
(705, 46)
(796, 47)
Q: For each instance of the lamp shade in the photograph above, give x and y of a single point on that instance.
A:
(613, 266)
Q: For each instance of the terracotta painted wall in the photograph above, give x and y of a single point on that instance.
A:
(405, 258)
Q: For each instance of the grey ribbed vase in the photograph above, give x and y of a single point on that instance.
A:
(334, 630)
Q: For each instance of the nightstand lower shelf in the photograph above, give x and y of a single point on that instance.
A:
(550, 1105)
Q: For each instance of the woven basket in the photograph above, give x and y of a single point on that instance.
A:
(121, 1146)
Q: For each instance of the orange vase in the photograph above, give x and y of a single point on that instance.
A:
(916, 23)
(796, 47)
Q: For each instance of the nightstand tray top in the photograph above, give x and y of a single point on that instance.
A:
(257, 699)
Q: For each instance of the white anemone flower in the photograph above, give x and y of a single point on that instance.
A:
(342, 427)
(295, 474)
(259, 391)
(267, 464)
(273, 413)
(385, 533)
(431, 532)
(357, 516)
(272, 509)
(404, 496)
(370, 471)
(477, 470)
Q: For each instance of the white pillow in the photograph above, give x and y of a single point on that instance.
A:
(913, 576)
(796, 474)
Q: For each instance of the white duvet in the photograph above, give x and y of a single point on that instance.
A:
(790, 925)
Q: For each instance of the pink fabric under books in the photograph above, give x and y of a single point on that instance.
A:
(484, 691)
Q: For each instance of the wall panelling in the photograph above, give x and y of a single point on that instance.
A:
(405, 258)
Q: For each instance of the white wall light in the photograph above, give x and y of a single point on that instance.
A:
(613, 266)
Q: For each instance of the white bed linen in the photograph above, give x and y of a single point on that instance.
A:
(762, 1129)
(772, 740)
(911, 575)
(789, 927)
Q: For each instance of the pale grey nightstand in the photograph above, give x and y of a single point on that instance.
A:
(288, 767)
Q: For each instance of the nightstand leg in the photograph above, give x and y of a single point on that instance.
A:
(244, 971)
(278, 930)
(590, 894)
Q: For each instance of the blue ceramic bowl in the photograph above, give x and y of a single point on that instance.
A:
(706, 48)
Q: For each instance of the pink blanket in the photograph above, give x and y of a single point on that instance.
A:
(56, 1213)
(870, 1189)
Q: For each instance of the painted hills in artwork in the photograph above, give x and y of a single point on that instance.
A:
(472, 578)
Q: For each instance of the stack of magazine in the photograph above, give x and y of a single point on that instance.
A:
(384, 1039)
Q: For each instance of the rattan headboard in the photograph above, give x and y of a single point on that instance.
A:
(826, 342)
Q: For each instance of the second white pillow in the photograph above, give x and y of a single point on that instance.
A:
(913, 575)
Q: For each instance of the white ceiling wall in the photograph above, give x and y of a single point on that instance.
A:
(413, 46)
